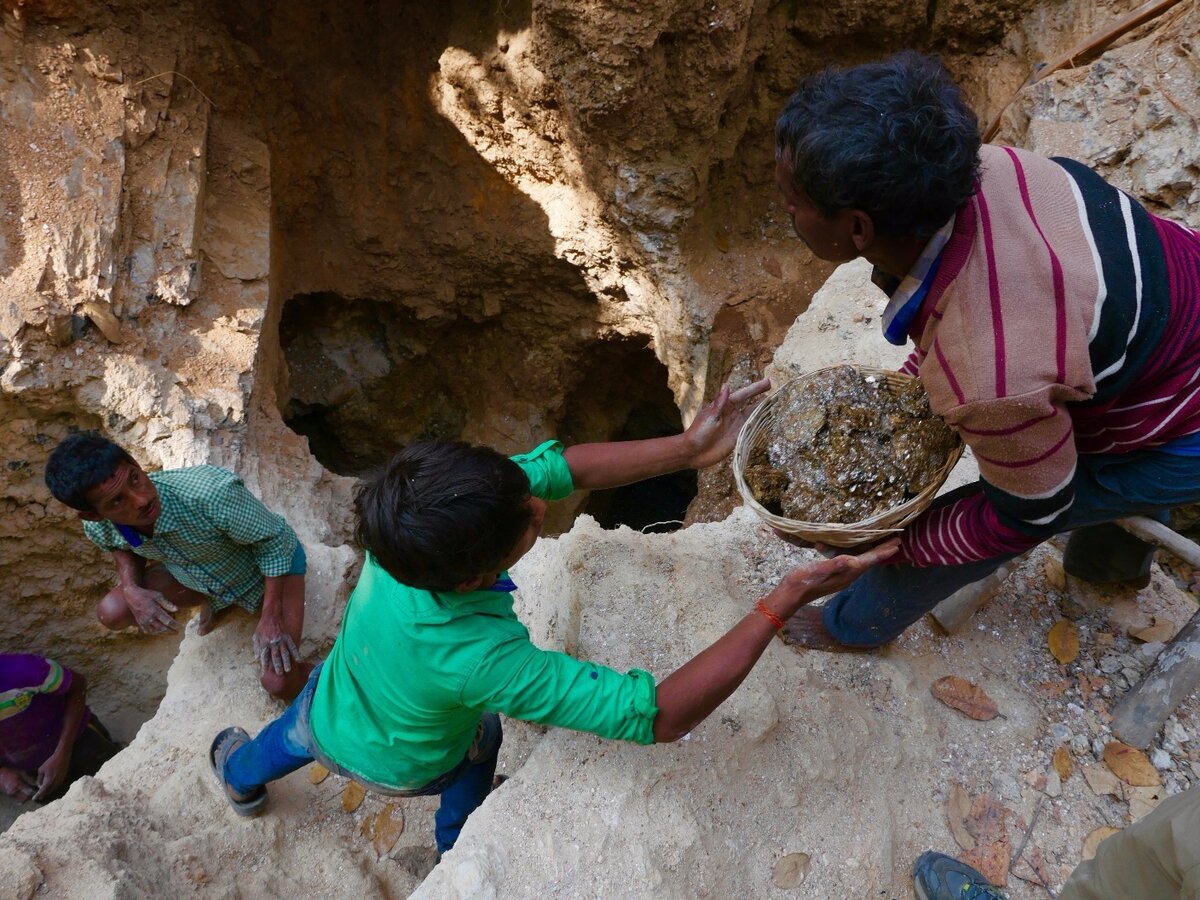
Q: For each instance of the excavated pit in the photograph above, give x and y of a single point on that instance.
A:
(338, 212)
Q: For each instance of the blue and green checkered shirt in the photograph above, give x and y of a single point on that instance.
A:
(212, 534)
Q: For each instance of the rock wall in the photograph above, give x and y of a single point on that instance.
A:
(210, 220)
(1132, 115)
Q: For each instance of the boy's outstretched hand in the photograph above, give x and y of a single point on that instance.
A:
(714, 431)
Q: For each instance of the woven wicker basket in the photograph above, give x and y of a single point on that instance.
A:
(875, 528)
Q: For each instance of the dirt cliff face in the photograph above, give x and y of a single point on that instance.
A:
(286, 237)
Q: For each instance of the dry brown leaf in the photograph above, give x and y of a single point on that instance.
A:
(791, 871)
(1102, 781)
(1159, 631)
(1130, 765)
(968, 698)
(367, 828)
(1093, 840)
(1142, 801)
(1055, 576)
(389, 825)
(987, 824)
(102, 317)
(986, 820)
(991, 860)
(722, 242)
(1063, 764)
(1063, 641)
(353, 796)
(958, 810)
(317, 773)
(771, 264)
(1032, 867)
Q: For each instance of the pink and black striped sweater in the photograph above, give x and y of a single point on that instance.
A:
(1064, 319)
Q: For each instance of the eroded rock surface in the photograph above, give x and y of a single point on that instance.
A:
(190, 193)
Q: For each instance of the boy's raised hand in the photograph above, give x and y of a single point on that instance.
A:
(714, 431)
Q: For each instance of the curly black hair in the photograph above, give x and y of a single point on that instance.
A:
(442, 512)
(79, 463)
(895, 139)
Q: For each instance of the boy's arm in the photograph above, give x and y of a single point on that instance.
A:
(688, 695)
(51, 773)
(708, 440)
(524, 682)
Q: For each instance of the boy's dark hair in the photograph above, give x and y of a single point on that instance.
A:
(79, 463)
(442, 512)
(893, 138)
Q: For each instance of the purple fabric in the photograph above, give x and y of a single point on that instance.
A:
(29, 736)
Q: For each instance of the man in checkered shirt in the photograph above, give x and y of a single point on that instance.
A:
(209, 542)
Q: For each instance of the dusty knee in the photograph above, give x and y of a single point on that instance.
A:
(273, 683)
(112, 611)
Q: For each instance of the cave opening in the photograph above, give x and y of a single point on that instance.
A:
(365, 377)
(623, 396)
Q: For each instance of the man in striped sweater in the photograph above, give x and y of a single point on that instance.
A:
(1056, 325)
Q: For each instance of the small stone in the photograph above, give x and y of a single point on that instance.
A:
(1053, 784)
(1079, 744)
(1131, 674)
(1007, 787)
(1147, 653)
(1062, 734)
(1161, 760)
(1098, 748)
(1176, 732)
(1110, 665)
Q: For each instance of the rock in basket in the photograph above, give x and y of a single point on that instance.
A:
(874, 528)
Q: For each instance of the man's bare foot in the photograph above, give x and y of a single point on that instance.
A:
(207, 621)
(807, 629)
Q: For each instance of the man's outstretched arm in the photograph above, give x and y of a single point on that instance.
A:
(708, 440)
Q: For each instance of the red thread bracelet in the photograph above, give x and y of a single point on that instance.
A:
(771, 617)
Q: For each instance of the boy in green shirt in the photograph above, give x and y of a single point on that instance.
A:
(430, 649)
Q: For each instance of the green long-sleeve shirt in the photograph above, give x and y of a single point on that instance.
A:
(400, 696)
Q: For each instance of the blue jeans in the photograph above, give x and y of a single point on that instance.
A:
(887, 599)
(287, 744)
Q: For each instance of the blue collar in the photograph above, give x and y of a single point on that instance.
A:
(896, 330)
(131, 535)
(503, 585)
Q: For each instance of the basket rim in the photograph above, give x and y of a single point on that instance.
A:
(878, 526)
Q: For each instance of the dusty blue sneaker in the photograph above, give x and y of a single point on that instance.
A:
(937, 876)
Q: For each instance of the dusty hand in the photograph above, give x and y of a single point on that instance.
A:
(151, 610)
(51, 773)
(274, 646)
(829, 575)
(16, 784)
(715, 429)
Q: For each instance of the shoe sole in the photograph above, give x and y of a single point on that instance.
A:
(247, 809)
